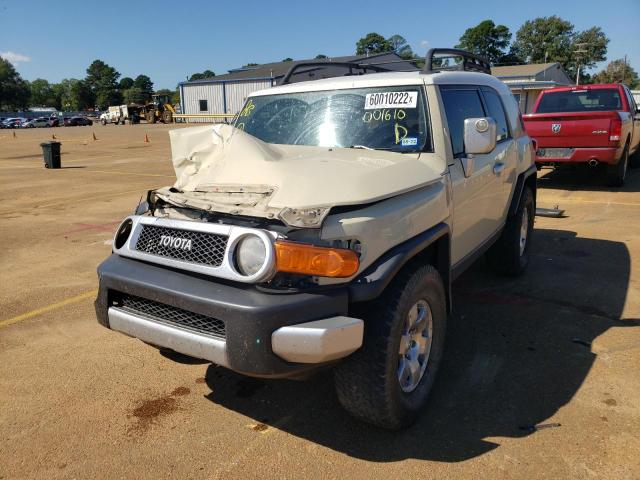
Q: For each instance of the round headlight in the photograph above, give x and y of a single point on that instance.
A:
(251, 254)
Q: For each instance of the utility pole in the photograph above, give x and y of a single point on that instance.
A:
(579, 51)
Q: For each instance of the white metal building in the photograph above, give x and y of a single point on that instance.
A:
(227, 93)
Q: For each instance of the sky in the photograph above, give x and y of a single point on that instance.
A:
(169, 41)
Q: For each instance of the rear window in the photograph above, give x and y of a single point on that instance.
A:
(596, 100)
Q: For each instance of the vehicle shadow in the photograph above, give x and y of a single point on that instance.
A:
(585, 178)
(517, 351)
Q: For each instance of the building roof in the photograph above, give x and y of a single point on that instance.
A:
(279, 69)
(530, 70)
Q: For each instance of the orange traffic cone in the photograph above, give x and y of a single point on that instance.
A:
(146, 138)
(94, 135)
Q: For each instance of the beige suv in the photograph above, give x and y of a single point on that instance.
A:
(325, 227)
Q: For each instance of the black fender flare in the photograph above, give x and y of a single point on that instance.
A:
(374, 279)
(519, 188)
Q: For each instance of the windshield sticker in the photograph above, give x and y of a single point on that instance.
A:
(409, 142)
(390, 100)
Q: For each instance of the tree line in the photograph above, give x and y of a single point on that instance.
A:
(101, 87)
(541, 40)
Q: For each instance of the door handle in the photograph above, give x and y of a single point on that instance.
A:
(498, 167)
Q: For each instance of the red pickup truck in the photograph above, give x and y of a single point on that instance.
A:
(587, 124)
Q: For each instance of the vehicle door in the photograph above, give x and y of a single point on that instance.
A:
(505, 154)
(635, 117)
(477, 192)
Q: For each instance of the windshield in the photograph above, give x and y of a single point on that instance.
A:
(596, 100)
(377, 118)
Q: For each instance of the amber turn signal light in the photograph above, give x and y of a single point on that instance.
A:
(319, 261)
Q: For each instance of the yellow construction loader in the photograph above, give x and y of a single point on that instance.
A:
(160, 109)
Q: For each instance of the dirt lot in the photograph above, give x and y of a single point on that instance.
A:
(558, 348)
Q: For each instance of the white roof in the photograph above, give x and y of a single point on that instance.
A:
(384, 79)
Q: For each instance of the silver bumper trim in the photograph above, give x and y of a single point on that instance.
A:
(318, 341)
(182, 341)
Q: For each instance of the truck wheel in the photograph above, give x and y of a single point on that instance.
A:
(151, 117)
(387, 382)
(634, 160)
(617, 173)
(167, 116)
(103, 121)
(510, 254)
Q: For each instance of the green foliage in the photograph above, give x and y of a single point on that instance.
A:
(320, 56)
(145, 85)
(617, 71)
(14, 91)
(400, 45)
(552, 39)
(134, 95)
(288, 59)
(125, 83)
(73, 95)
(42, 94)
(589, 47)
(83, 98)
(373, 43)
(250, 65)
(102, 80)
(202, 76)
(486, 39)
(545, 39)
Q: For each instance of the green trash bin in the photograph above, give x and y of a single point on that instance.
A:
(51, 154)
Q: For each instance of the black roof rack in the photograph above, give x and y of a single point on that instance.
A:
(350, 65)
(470, 62)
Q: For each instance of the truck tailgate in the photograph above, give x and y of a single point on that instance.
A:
(579, 129)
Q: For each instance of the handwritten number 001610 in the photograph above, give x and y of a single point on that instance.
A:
(383, 115)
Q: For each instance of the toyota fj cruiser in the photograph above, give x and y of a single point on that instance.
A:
(324, 228)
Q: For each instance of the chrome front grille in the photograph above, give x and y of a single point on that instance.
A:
(203, 247)
(170, 315)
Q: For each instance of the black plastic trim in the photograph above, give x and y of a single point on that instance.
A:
(517, 193)
(470, 61)
(250, 316)
(350, 65)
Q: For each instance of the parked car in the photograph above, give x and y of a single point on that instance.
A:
(13, 122)
(324, 229)
(79, 121)
(36, 122)
(590, 124)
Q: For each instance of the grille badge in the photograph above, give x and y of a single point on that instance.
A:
(175, 242)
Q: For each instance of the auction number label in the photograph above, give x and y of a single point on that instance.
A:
(390, 100)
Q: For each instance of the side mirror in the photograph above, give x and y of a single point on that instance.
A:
(479, 135)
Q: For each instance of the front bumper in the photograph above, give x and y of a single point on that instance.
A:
(607, 155)
(270, 335)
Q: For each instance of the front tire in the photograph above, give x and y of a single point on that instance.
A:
(387, 382)
(617, 173)
(510, 254)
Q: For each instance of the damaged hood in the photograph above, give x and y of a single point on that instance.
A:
(221, 168)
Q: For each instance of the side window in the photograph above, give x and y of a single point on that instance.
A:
(460, 105)
(203, 105)
(496, 111)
